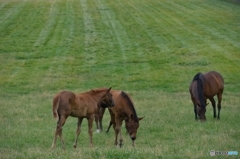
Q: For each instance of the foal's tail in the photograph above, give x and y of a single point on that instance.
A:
(56, 101)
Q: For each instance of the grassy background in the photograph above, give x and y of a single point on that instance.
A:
(151, 49)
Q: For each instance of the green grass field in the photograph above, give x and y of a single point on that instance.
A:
(150, 49)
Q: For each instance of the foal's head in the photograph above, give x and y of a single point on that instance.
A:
(107, 99)
(132, 126)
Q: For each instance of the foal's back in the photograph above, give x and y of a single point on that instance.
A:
(83, 105)
(120, 103)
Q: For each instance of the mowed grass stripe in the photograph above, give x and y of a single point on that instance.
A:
(206, 24)
(11, 9)
(187, 32)
(90, 34)
(49, 25)
(109, 16)
(164, 29)
(63, 35)
(142, 18)
(8, 16)
(30, 12)
(120, 41)
(137, 53)
(180, 36)
(3, 4)
(225, 24)
(138, 47)
(38, 58)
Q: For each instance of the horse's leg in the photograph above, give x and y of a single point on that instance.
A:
(97, 120)
(102, 111)
(118, 131)
(195, 111)
(55, 137)
(109, 126)
(112, 121)
(195, 107)
(78, 131)
(219, 95)
(214, 106)
(90, 132)
(58, 131)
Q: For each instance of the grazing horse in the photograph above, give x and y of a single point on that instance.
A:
(206, 86)
(84, 105)
(123, 110)
(102, 111)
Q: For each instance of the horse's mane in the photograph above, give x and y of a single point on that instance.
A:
(198, 77)
(130, 104)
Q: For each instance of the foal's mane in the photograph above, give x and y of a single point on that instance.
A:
(199, 78)
(130, 104)
(97, 90)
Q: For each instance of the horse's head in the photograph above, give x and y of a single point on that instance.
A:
(107, 100)
(201, 112)
(132, 126)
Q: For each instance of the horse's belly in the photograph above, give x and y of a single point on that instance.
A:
(212, 92)
(79, 113)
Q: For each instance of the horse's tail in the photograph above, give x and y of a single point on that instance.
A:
(56, 101)
(199, 80)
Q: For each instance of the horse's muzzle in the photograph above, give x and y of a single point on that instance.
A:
(133, 138)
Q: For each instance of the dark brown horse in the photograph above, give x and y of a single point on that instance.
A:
(84, 105)
(99, 125)
(206, 86)
(123, 110)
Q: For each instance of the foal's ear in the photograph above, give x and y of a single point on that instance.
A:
(109, 89)
(141, 118)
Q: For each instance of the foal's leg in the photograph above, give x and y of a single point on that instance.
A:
(116, 134)
(214, 106)
(112, 122)
(219, 95)
(58, 131)
(90, 132)
(78, 131)
(109, 126)
(118, 131)
(97, 121)
(102, 111)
